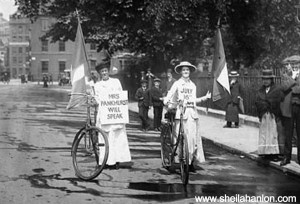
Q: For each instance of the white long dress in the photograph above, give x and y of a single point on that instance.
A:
(117, 136)
(185, 90)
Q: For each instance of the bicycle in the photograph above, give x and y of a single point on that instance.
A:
(169, 149)
(90, 147)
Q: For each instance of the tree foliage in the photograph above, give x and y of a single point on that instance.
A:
(255, 32)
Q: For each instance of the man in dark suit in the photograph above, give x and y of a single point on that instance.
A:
(143, 97)
(157, 102)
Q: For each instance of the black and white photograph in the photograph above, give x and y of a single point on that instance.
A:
(149, 101)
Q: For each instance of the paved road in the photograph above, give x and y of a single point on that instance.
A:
(36, 133)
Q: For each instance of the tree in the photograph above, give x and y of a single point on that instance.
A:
(257, 32)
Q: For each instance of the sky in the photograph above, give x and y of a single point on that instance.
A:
(7, 7)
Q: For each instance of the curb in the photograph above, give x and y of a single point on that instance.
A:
(244, 119)
(292, 168)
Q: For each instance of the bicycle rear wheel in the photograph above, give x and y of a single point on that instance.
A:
(184, 159)
(166, 145)
(89, 153)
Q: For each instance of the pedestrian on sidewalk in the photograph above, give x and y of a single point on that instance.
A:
(142, 95)
(267, 103)
(287, 83)
(117, 136)
(169, 82)
(235, 98)
(184, 92)
(45, 80)
(157, 103)
(295, 122)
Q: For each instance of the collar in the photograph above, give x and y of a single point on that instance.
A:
(183, 81)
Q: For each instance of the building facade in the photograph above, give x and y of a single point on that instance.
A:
(55, 58)
(4, 39)
(19, 45)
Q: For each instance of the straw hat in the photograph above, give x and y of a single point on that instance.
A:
(233, 74)
(267, 74)
(184, 64)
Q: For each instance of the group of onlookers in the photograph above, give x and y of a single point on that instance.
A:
(152, 95)
(278, 108)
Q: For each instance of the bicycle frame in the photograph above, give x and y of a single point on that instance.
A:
(179, 134)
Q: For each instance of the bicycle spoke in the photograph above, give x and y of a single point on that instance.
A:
(89, 152)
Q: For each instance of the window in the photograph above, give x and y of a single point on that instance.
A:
(45, 66)
(93, 46)
(93, 64)
(20, 59)
(61, 46)
(44, 45)
(20, 29)
(14, 50)
(45, 24)
(20, 50)
(14, 59)
(62, 66)
(20, 38)
(14, 38)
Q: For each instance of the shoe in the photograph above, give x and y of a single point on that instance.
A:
(226, 126)
(285, 161)
(191, 168)
(117, 165)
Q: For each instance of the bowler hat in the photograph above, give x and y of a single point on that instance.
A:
(144, 81)
(267, 74)
(233, 74)
(157, 79)
(102, 65)
(184, 64)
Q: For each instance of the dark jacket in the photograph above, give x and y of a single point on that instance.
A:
(155, 95)
(236, 90)
(287, 83)
(269, 102)
(143, 97)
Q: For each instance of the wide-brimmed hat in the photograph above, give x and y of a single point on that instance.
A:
(267, 74)
(157, 79)
(184, 64)
(233, 74)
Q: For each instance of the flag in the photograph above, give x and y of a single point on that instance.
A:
(79, 71)
(221, 88)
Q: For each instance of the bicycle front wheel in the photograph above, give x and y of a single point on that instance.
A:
(166, 146)
(184, 159)
(89, 153)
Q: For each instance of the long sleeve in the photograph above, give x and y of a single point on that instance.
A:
(171, 93)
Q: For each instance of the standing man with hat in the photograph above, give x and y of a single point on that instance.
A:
(291, 104)
(169, 82)
(184, 92)
(232, 108)
(267, 103)
(157, 103)
(142, 95)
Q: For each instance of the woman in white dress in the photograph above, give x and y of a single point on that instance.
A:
(117, 136)
(183, 91)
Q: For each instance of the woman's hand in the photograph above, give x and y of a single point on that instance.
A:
(208, 95)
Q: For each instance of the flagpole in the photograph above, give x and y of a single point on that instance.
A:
(218, 26)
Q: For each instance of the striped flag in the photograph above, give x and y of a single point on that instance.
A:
(79, 71)
(221, 88)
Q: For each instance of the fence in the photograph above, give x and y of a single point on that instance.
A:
(251, 84)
